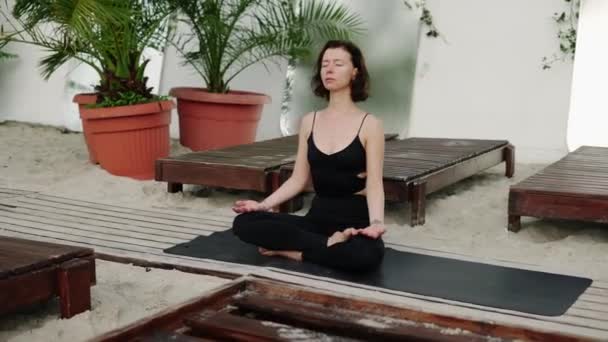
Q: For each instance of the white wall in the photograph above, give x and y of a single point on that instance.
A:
(390, 45)
(589, 106)
(24, 95)
(487, 81)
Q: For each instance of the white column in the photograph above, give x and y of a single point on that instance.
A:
(588, 119)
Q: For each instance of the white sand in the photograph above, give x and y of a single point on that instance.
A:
(122, 295)
(468, 218)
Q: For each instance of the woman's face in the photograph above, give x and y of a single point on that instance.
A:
(337, 70)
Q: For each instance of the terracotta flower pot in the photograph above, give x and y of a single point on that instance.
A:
(127, 140)
(82, 100)
(211, 120)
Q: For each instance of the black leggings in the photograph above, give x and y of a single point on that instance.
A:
(309, 234)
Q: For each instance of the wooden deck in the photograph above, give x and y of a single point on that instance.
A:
(139, 235)
(575, 187)
(34, 271)
(417, 167)
(254, 309)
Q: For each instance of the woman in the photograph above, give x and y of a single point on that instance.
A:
(342, 148)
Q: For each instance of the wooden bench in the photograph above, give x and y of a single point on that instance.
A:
(32, 272)
(575, 187)
(416, 167)
(244, 167)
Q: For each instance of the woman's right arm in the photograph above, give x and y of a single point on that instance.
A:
(301, 172)
(294, 185)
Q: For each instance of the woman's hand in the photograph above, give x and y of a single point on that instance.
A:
(373, 231)
(247, 206)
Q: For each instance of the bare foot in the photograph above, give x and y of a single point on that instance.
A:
(293, 255)
(339, 237)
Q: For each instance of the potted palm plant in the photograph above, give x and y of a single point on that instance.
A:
(3, 42)
(230, 35)
(126, 127)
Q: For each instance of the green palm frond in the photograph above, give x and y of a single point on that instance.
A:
(235, 34)
(108, 35)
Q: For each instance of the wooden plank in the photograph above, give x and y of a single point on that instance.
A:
(270, 289)
(554, 206)
(164, 336)
(27, 288)
(133, 239)
(186, 215)
(74, 287)
(575, 188)
(244, 178)
(103, 225)
(91, 230)
(225, 326)
(456, 172)
(439, 153)
(61, 235)
(172, 317)
(342, 322)
(185, 225)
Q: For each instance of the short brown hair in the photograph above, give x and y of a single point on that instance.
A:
(359, 86)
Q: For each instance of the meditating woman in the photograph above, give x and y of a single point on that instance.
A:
(342, 148)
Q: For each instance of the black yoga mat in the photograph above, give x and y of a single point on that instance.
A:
(508, 288)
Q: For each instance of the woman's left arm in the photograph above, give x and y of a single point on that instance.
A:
(374, 184)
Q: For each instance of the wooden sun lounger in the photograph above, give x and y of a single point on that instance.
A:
(575, 187)
(416, 167)
(32, 272)
(244, 167)
(253, 309)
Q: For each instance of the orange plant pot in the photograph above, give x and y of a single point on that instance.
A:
(210, 120)
(127, 140)
(82, 100)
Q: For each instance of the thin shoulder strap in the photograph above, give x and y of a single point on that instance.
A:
(362, 121)
(313, 122)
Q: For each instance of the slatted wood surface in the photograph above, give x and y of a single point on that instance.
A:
(10, 193)
(18, 256)
(412, 158)
(262, 155)
(583, 172)
(575, 188)
(254, 309)
(143, 233)
(34, 271)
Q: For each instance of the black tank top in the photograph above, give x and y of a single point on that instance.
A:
(335, 175)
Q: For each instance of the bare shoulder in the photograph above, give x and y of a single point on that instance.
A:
(372, 126)
(306, 123)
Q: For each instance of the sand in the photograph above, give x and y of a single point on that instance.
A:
(122, 295)
(467, 218)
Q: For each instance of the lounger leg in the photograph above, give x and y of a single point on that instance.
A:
(174, 187)
(509, 158)
(74, 283)
(418, 204)
(514, 223)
